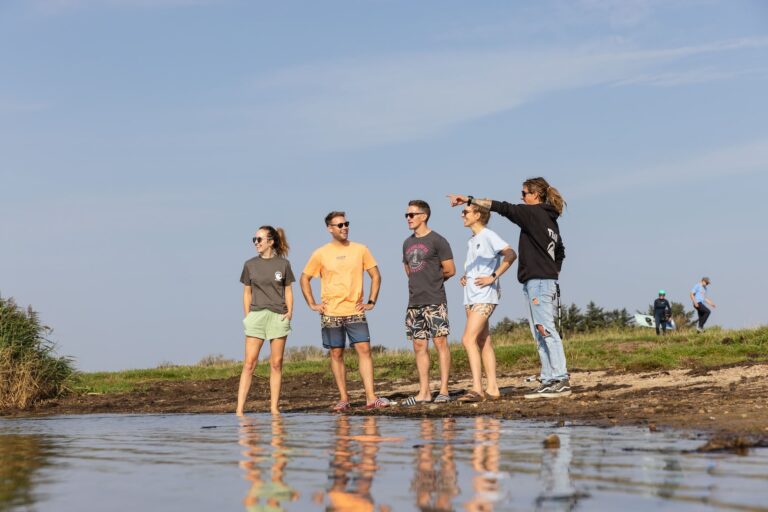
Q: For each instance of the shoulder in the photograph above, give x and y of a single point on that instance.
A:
(251, 261)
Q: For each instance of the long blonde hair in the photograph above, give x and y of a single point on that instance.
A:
(546, 193)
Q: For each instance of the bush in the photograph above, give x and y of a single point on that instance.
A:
(29, 370)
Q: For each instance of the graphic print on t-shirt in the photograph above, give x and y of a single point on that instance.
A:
(416, 256)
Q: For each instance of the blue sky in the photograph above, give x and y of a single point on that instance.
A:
(142, 143)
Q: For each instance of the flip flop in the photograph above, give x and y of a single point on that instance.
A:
(472, 397)
(379, 403)
(442, 399)
(341, 405)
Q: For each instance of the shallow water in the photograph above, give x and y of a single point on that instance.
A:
(329, 462)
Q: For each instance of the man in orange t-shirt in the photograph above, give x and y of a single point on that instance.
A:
(340, 265)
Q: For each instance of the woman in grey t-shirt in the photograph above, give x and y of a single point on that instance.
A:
(268, 306)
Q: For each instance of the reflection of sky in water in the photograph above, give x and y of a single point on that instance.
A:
(326, 462)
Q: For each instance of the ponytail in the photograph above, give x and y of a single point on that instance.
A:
(279, 241)
(546, 193)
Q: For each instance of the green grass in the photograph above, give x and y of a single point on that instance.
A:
(622, 350)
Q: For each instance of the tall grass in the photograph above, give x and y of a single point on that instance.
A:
(29, 369)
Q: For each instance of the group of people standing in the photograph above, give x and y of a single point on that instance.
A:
(428, 262)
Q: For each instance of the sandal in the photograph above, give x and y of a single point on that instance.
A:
(472, 397)
(411, 400)
(379, 403)
(442, 399)
(340, 406)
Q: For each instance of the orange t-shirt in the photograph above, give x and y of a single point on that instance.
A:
(340, 269)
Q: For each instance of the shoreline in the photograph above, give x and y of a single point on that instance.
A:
(726, 403)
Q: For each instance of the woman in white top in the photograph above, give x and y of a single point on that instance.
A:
(488, 257)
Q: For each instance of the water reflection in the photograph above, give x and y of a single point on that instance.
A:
(267, 492)
(435, 479)
(557, 490)
(21, 458)
(353, 466)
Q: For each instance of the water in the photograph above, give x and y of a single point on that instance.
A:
(328, 462)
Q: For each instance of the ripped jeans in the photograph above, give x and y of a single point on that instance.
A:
(540, 294)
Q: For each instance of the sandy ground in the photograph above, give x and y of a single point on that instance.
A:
(727, 403)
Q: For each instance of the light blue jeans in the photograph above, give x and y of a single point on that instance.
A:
(541, 297)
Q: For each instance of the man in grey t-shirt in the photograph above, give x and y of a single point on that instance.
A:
(428, 262)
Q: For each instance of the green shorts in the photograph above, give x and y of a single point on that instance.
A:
(266, 325)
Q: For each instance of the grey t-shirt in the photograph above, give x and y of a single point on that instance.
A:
(267, 278)
(424, 256)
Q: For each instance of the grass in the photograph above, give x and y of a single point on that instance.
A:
(621, 350)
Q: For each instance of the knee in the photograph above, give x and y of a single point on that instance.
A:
(420, 347)
(363, 349)
(441, 344)
(337, 354)
(249, 365)
(276, 364)
(544, 333)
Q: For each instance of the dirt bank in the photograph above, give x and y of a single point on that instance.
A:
(729, 403)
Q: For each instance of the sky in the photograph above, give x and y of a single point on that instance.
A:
(142, 143)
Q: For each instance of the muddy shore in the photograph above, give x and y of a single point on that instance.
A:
(727, 404)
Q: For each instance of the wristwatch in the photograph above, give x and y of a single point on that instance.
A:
(493, 275)
(469, 200)
(372, 302)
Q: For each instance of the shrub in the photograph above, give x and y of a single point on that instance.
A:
(29, 370)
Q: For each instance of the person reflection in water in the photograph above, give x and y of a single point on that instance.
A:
(485, 462)
(435, 477)
(265, 496)
(353, 467)
(555, 476)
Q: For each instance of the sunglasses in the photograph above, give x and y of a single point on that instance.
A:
(340, 225)
(525, 193)
(464, 212)
(411, 215)
(258, 239)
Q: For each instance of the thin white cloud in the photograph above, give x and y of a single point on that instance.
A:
(356, 104)
(739, 159)
(57, 6)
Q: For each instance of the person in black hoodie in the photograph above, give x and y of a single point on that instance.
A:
(540, 255)
(661, 312)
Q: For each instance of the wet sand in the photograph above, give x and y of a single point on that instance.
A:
(727, 403)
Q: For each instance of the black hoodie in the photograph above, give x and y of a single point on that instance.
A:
(541, 250)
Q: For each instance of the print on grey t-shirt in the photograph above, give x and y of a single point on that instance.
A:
(424, 256)
(267, 278)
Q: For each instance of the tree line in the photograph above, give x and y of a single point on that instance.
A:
(594, 318)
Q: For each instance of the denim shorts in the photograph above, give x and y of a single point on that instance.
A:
(424, 322)
(266, 325)
(336, 329)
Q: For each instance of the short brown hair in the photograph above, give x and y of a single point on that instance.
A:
(421, 205)
(485, 214)
(330, 216)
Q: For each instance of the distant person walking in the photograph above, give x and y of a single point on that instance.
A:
(340, 265)
(541, 257)
(662, 311)
(428, 262)
(488, 257)
(700, 301)
(268, 307)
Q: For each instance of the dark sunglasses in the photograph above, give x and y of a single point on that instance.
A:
(258, 239)
(464, 212)
(340, 225)
(411, 215)
(524, 193)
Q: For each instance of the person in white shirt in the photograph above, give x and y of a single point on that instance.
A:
(488, 257)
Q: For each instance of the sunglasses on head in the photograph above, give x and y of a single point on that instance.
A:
(411, 215)
(258, 239)
(340, 225)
